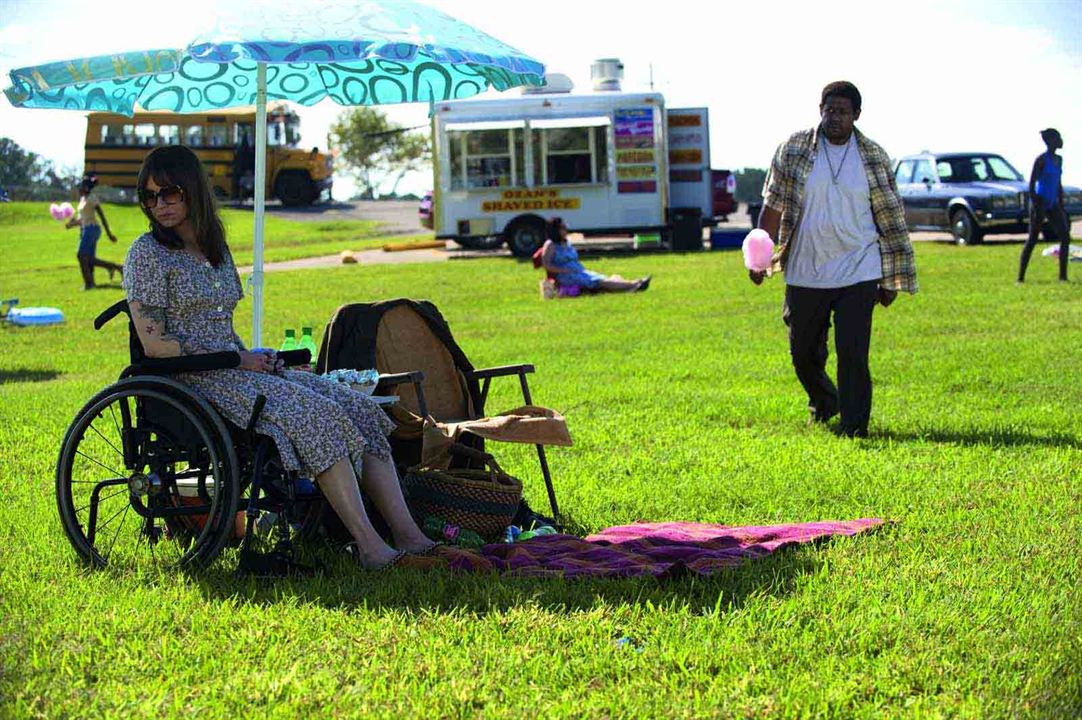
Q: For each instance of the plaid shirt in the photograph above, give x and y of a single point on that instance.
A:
(783, 191)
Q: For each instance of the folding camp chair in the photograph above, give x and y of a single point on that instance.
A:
(399, 335)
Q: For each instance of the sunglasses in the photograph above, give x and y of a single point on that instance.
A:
(168, 195)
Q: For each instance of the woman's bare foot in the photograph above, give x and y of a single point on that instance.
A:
(374, 559)
(417, 546)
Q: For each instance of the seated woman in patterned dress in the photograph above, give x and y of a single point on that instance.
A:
(182, 287)
(561, 261)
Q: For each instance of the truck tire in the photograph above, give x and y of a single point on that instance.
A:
(293, 188)
(524, 235)
(964, 228)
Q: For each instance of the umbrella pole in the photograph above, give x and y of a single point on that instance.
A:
(260, 201)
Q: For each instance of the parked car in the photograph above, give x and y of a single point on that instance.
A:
(723, 194)
(969, 195)
(424, 212)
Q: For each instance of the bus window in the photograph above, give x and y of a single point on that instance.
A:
(168, 134)
(112, 134)
(242, 129)
(128, 138)
(145, 134)
(193, 135)
(293, 133)
(217, 135)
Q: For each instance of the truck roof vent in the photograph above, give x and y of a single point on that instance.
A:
(606, 74)
(554, 83)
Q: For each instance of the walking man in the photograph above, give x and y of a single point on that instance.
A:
(831, 203)
(1046, 203)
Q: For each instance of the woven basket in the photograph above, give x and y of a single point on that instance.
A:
(482, 500)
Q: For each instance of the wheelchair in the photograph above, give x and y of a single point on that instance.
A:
(150, 474)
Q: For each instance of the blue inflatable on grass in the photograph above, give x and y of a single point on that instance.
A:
(35, 316)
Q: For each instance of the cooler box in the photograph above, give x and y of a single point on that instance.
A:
(723, 239)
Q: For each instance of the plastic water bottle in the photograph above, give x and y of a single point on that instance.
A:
(307, 343)
(290, 342)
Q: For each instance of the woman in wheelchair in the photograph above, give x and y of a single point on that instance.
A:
(182, 287)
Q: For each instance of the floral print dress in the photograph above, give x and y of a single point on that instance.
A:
(313, 421)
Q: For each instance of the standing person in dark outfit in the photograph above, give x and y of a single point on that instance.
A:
(831, 202)
(1046, 203)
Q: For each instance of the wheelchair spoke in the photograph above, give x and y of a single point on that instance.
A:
(103, 499)
(112, 542)
(119, 433)
(114, 447)
(111, 470)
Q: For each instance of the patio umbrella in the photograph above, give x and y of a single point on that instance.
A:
(354, 52)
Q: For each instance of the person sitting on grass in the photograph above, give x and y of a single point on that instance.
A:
(561, 261)
(182, 287)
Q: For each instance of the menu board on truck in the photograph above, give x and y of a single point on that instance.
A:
(689, 159)
(636, 161)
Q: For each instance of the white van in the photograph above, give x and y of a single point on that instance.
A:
(608, 163)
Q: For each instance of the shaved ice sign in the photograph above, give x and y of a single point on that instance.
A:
(633, 130)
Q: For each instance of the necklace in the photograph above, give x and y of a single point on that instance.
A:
(826, 149)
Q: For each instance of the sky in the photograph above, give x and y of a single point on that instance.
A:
(958, 75)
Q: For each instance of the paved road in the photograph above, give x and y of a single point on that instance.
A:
(400, 218)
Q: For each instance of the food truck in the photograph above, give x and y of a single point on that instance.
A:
(608, 162)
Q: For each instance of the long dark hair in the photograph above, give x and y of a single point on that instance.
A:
(552, 230)
(177, 165)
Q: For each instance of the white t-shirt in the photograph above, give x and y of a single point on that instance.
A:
(837, 244)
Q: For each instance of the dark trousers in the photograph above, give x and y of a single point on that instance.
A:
(807, 313)
(1061, 224)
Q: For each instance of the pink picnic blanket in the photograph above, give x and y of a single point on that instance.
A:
(658, 549)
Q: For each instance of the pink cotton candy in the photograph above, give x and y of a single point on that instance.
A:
(61, 211)
(758, 250)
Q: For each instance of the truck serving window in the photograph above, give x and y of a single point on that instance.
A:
(567, 155)
(486, 158)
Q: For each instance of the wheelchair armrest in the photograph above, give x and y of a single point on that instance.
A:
(184, 363)
(121, 306)
(501, 371)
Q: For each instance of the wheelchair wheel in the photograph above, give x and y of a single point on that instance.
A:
(146, 477)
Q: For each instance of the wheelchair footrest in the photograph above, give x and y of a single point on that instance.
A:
(277, 563)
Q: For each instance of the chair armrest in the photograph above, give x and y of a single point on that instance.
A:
(501, 371)
(392, 379)
(184, 363)
(414, 376)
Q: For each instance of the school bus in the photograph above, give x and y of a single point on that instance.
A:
(223, 140)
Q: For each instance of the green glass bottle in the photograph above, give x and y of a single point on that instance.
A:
(307, 343)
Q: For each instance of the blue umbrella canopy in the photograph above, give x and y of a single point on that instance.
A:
(356, 52)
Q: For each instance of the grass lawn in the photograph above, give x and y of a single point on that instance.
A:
(683, 406)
